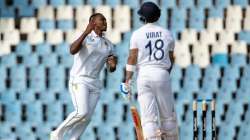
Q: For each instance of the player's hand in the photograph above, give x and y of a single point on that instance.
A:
(90, 27)
(125, 91)
(111, 62)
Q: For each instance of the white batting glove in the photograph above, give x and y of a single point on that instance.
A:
(125, 91)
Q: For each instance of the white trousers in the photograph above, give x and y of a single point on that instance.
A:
(84, 98)
(156, 102)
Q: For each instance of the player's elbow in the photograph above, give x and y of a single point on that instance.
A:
(132, 60)
(172, 59)
(72, 50)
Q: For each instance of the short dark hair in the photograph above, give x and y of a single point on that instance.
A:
(150, 19)
(94, 15)
(149, 12)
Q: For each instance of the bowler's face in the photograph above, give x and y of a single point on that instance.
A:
(101, 23)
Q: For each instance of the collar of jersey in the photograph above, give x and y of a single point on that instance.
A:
(149, 24)
(95, 35)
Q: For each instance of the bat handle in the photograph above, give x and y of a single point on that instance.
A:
(129, 96)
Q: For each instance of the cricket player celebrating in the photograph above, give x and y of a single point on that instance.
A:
(151, 55)
(91, 50)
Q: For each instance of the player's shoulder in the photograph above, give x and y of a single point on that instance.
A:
(164, 30)
(107, 40)
(90, 38)
(139, 32)
(135, 34)
(108, 43)
(168, 34)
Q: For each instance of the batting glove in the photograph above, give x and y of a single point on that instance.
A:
(125, 91)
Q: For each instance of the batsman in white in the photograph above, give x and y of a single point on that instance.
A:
(91, 50)
(151, 56)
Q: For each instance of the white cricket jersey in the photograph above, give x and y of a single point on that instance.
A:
(154, 44)
(91, 58)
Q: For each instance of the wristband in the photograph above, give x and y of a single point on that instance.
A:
(130, 68)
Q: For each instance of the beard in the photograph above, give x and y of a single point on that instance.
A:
(104, 28)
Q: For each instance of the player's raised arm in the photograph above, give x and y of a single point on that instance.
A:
(77, 44)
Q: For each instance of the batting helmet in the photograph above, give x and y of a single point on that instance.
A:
(149, 12)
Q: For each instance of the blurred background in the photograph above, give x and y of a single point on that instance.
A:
(212, 57)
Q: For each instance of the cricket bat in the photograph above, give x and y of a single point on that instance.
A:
(137, 122)
(134, 112)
